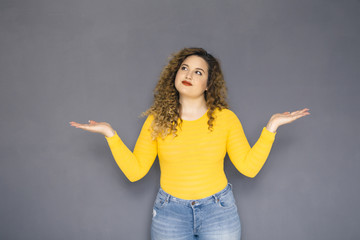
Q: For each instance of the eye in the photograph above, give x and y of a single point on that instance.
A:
(183, 68)
(198, 73)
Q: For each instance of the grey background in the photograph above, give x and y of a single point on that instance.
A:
(77, 60)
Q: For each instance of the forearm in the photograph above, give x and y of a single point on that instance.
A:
(134, 165)
(252, 159)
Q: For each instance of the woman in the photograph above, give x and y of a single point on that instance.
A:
(190, 128)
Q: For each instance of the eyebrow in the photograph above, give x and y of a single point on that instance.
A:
(195, 68)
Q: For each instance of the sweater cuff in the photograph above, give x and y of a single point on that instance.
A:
(113, 138)
(267, 134)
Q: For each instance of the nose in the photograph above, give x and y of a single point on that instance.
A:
(188, 75)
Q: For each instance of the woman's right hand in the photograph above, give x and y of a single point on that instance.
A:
(97, 127)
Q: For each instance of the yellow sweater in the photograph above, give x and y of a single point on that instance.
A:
(192, 164)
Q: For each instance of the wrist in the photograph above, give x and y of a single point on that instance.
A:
(109, 133)
(271, 127)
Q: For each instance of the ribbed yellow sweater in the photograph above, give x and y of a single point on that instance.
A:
(192, 164)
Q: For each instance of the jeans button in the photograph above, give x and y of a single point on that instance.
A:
(193, 203)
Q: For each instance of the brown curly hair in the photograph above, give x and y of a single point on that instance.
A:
(166, 106)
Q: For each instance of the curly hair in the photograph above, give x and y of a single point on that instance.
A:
(166, 106)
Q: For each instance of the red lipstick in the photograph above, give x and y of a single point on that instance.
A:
(186, 83)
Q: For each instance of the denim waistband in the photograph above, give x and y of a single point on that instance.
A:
(215, 197)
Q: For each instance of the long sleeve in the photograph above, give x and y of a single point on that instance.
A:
(247, 160)
(192, 163)
(135, 165)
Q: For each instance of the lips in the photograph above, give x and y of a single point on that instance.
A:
(186, 83)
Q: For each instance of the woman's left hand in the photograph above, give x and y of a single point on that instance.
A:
(279, 119)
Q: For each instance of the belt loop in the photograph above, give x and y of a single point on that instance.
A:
(216, 198)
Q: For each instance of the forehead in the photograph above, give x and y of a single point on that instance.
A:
(196, 62)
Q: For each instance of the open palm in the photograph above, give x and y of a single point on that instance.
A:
(97, 127)
(279, 119)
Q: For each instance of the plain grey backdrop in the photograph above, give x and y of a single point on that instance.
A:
(76, 60)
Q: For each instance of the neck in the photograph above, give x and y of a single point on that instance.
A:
(192, 108)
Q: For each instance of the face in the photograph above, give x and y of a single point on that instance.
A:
(191, 78)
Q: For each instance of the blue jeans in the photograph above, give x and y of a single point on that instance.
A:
(211, 218)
